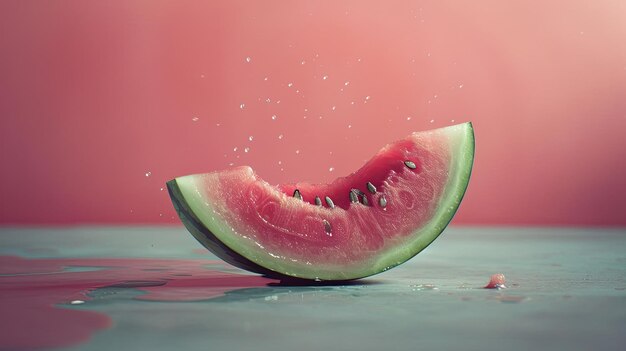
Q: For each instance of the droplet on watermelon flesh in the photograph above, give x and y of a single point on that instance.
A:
(263, 228)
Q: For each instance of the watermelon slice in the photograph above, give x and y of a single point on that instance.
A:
(360, 225)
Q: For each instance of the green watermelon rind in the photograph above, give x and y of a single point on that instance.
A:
(202, 220)
(206, 237)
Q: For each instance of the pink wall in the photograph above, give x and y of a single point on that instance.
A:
(95, 94)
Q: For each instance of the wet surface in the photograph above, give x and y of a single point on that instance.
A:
(150, 288)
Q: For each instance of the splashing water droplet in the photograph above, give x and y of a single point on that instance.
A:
(273, 117)
(268, 100)
(408, 118)
(460, 86)
(298, 152)
(265, 78)
(324, 77)
(452, 120)
(331, 169)
(334, 108)
(162, 189)
(346, 83)
(148, 174)
(432, 121)
(246, 150)
(250, 138)
(248, 59)
(367, 97)
(77, 302)
(280, 136)
(235, 149)
(290, 85)
(242, 106)
(195, 119)
(303, 62)
(280, 162)
(349, 125)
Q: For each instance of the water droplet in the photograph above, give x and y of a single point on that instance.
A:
(352, 103)
(235, 149)
(460, 86)
(303, 62)
(452, 120)
(349, 125)
(217, 124)
(268, 100)
(148, 174)
(77, 302)
(367, 97)
(195, 119)
(297, 151)
(248, 59)
(242, 106)
(280, 136)
(278, 102)
(331, 169)
(325, 77)
(346, 83)
(250, 138)
(432, 121)
(265, 78)
(231, 164)
(202, 76)
(420, 287)
(290, 85)
(273, 117)
(280, 162)
(246, 150)
(408, 118)
(334, 108)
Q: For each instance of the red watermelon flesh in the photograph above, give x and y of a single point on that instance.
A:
(270, 231)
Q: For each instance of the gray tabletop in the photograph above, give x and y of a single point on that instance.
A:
(566, 291)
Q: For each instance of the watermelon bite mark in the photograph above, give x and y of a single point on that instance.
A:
(405, 197)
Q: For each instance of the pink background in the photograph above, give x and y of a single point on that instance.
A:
(94, 95)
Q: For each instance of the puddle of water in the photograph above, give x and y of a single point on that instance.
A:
(35, 293)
